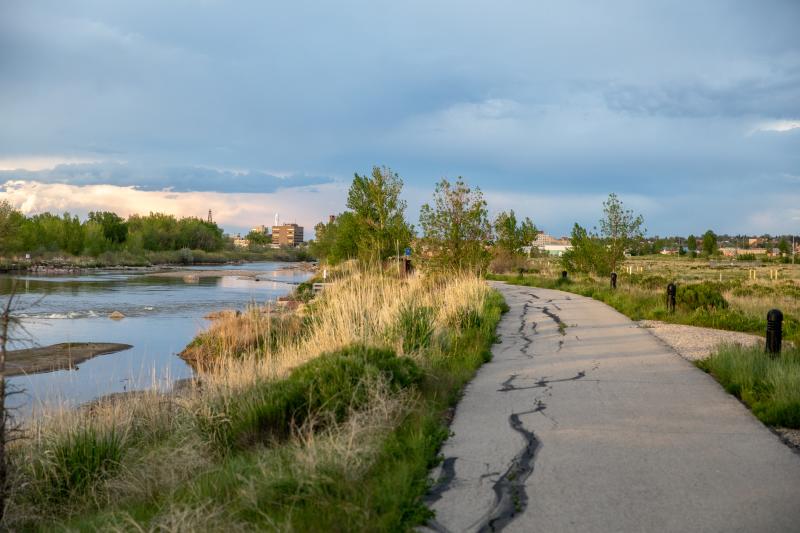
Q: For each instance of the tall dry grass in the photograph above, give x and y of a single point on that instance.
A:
(145, 445)
(363, 307)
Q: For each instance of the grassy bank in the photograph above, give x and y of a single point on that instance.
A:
(327, 418)
(145, 258)
(732, 305)
(770, 387)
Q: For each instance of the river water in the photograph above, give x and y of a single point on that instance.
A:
(162, 315)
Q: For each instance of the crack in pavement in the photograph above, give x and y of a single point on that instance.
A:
(511, 499)
(550, 301)
(446, 478)
(508, 385)
(557, 319)
(522, 322)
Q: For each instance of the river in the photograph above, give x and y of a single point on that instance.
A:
(162, 315)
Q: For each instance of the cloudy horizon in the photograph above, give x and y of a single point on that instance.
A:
(690, 113)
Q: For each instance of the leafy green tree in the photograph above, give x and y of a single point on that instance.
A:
(456, 228)
(511, 236)
(95, 242)
(115, 229)
(783, 246)
(11, 222)
(587, 253)
(336, 241)
(379, 214)
(691, 244)
(619, 229)
(258, 238)
(709, 243)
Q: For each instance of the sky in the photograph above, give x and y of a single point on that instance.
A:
(689, 111)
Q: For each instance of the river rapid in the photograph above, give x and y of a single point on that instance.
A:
(162, 315)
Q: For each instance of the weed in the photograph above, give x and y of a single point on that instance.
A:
(769, 386)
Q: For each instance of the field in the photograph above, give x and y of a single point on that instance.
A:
(723, 295)
(327, 417)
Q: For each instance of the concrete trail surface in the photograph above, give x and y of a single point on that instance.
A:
(585, 422)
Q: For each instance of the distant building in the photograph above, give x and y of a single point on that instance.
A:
(241, 242)
(552, 246)
(287, 235)
(262, 229)
(729, 251)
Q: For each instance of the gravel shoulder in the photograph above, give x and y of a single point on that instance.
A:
(694, 343)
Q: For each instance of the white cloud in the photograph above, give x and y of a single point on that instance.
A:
(777, 125)
(233, 211)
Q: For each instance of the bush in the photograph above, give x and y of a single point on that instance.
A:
(324, 389)
(700, 296)
(650, 282)
(504, 262)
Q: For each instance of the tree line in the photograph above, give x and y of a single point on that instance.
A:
(455, 228)
(455, 231)
(103, 231)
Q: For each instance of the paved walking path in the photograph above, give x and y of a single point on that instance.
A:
(585, 422)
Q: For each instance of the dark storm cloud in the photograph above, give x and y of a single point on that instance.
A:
(644, 98)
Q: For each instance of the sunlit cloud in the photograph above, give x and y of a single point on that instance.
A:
(233, 211)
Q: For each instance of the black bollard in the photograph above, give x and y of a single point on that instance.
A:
(563, 274)
(672, 290)
(613, 280)
(774, 333)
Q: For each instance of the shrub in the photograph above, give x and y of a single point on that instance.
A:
(324, 389)
(700, 296)
(650, 282)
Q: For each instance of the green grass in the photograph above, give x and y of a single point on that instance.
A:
(698, 304)
(769, 386)
(257, 473)
(333, 383)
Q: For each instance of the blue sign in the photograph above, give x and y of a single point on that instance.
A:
(408, 252)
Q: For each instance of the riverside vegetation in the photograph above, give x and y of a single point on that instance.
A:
(325, 418)
(106, 239)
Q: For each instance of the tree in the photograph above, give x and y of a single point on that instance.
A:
(709, 243)
(456, 228)
(691, 244)
(510, 236)
(115, 230)
(258, 238)
(619, 229)
(587, 253)
(379, 214)
(783, 246)
(11, 222)
(336, 240)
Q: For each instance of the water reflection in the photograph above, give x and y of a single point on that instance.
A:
(162, 314)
